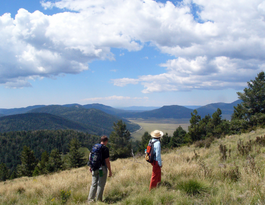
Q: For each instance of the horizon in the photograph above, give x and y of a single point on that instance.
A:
(155, 107)
(128, 52)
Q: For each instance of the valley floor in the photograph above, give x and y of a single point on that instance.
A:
(165, 125)
(190, 175)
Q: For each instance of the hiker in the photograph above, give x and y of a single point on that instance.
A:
(99, 179)
(157, 163)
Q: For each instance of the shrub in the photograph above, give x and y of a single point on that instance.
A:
(244, 149)
(233, 174)
(192, 187)
(223, 151)
(65, 195)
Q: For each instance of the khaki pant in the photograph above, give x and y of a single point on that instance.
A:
(98, 184)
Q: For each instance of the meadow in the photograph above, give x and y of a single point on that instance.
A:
(230, 174)
(165, 125)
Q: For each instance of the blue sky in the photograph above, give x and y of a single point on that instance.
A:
(128, 52)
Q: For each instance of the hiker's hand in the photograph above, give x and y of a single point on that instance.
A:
(90, 169)
(110, 174)
(161, 166)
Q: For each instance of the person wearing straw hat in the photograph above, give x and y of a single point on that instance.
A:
(157, 163)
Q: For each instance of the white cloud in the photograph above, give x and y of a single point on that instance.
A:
(201, 73)
(222, 50)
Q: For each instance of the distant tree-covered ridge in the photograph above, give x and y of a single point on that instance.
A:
(97, 121)
(12, 143)
(38, 121)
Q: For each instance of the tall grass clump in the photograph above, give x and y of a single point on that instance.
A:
(192, 187)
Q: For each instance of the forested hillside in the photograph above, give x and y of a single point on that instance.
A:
(95, 120)
(227, 108)
(14, 111)
(12, 143)
(38, 121)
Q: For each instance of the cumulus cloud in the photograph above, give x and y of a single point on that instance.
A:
(200, 73)
(220, 48)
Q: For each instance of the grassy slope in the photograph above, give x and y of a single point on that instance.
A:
(130, 182)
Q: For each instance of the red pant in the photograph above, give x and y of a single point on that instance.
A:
(156, 175)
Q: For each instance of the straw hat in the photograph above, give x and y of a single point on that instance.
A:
(156, 134)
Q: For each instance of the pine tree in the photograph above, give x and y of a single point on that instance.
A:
(119, 141)
(76, 157)
(3, 172)
(55, 162)
(194, 131)
(252, 108)
(144, 142)
(44, 162)
(165, 141)
(28, 162)
(178, 137)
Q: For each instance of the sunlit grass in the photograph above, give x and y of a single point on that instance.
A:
(185, 179)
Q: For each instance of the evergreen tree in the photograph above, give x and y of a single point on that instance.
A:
(178, 137)
(252, 108)
(119, 141)
(44, 162)
(165, 141)
(28, 162)
(55, 161)
(3, 172)
(194, 131)
(144, 142)
(76, 157)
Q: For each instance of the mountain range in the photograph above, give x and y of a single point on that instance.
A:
(95, 118)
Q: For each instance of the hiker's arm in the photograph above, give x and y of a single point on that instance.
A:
(158, 154)
(109, 167)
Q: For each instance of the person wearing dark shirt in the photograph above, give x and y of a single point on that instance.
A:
(98, 183)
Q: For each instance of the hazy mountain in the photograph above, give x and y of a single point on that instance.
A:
(192, 106)
(105, 108)
(172, 111)
(14, 111)
(138, 108)
(93, 119)
(1, 115)
(227, 108)
(37, 121)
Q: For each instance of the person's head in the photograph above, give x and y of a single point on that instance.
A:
(104, 140)
(157, 134)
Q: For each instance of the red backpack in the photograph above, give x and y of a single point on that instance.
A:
(150, 154)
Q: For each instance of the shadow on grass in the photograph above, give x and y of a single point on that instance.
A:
(166, 184)
(111, 199)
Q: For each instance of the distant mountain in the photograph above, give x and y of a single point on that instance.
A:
(172, 111)
(227, 108)
(37, 121)
(93, 119)
(106, 109)
(192, 106)
(138, 108)
(14, 111)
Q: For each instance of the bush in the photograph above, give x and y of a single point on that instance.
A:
(192, 187)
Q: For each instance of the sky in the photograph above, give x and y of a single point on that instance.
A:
(128, 52)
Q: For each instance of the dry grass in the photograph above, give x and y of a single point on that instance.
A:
(185, 179)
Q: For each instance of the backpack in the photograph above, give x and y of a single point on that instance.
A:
(95, 157)
(150, 154)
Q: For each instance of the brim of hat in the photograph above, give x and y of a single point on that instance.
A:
(153, 136)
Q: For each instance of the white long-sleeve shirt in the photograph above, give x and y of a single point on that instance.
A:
(157, 150)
